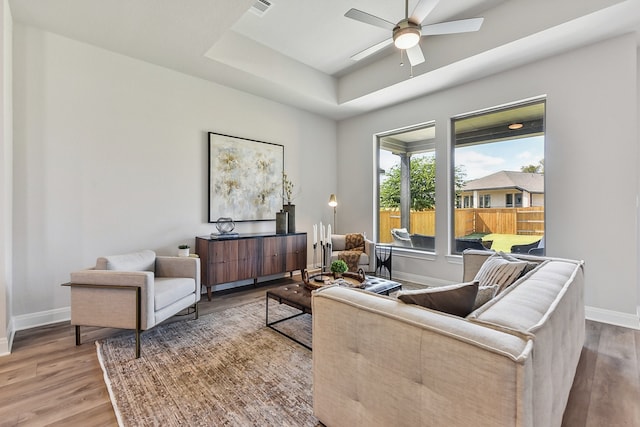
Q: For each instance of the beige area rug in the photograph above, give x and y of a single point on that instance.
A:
(224, 369)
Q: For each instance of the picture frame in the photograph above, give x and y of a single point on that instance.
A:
(245, 178)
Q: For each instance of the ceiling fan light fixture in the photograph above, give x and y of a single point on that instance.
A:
(406, 35)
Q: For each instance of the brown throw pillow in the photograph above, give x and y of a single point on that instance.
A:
(455, 299)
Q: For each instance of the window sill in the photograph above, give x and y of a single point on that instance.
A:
(413, 253)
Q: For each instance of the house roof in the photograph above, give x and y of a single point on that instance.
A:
(531, 182)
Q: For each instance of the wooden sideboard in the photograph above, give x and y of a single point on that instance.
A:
(249, 256)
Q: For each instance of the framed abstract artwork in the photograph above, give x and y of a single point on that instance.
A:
(245, 178)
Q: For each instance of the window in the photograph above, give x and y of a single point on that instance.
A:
(518, 200)
(406, 187)
(498, 157)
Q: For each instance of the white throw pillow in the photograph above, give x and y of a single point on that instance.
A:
(496, 270)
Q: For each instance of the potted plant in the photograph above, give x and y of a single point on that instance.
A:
(338, 267)
(287, 187)
(183, 250)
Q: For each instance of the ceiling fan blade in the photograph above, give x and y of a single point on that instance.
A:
(367, 18)
(415, 55)
(452, 27)
(371, 50)
(422, 10)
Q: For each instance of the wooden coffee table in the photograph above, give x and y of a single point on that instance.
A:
(298, 296)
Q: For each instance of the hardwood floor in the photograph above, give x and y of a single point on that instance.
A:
(48, 380)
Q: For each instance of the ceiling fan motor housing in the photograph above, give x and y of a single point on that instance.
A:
(406, 34)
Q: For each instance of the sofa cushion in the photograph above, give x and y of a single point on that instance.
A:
(171, 289)
(338, 242)
(485, 294)
(497, 270)
(136, 261)
(457, 299)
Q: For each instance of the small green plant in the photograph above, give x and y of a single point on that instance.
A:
(339, 266)
(183, 247)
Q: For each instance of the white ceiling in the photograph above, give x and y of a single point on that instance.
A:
(298, 53)
(320, 36)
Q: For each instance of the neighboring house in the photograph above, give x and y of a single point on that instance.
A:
(503, 189)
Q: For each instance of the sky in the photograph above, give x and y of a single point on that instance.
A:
(485, 159)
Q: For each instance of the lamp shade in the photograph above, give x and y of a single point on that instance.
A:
(332, 201)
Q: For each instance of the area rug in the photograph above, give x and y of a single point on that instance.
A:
(224, 369)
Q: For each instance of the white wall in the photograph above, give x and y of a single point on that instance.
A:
(6, 145)
(591, 157)
(111, 156)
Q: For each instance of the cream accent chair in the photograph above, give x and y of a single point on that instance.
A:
(367, 260)
(134, 291)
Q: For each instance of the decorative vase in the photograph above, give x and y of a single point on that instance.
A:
(281, 222)
(291, 222)
(183, 252)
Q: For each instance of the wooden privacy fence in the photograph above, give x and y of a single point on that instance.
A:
(524, 221)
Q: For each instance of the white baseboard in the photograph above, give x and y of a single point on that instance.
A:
(41, 318)
(617, 318)
(7, 342)
(5, 348)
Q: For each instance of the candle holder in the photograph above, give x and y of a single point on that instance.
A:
(321, 277)
(315, 246)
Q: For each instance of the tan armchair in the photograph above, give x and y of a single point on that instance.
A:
(134, 291)
(367, 259)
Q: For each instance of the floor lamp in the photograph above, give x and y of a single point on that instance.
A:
(333, 203)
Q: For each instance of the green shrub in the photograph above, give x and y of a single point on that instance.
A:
(339, 266)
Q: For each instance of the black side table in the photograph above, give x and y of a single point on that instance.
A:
(383, 260)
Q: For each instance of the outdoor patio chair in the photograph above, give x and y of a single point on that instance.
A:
(401, 237)
(423, 241)
(524, 249)
(463, 244)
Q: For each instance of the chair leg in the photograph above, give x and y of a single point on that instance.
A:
(137, 343)
(197, 312)
(78, 338)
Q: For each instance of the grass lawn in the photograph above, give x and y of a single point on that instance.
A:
(503, 242)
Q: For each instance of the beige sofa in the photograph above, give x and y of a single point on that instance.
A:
(380, 362)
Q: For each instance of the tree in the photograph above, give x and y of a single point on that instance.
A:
(539, 168)
(422, 184)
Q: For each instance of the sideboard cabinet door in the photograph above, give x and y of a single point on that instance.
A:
(273, 255)
(296, 252)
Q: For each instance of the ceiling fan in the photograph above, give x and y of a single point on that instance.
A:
(406, 34)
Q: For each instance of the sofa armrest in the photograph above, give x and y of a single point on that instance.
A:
(369, 247)
(107, 302)
(167, 266)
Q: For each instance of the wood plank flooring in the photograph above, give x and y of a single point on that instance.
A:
(48, 380)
